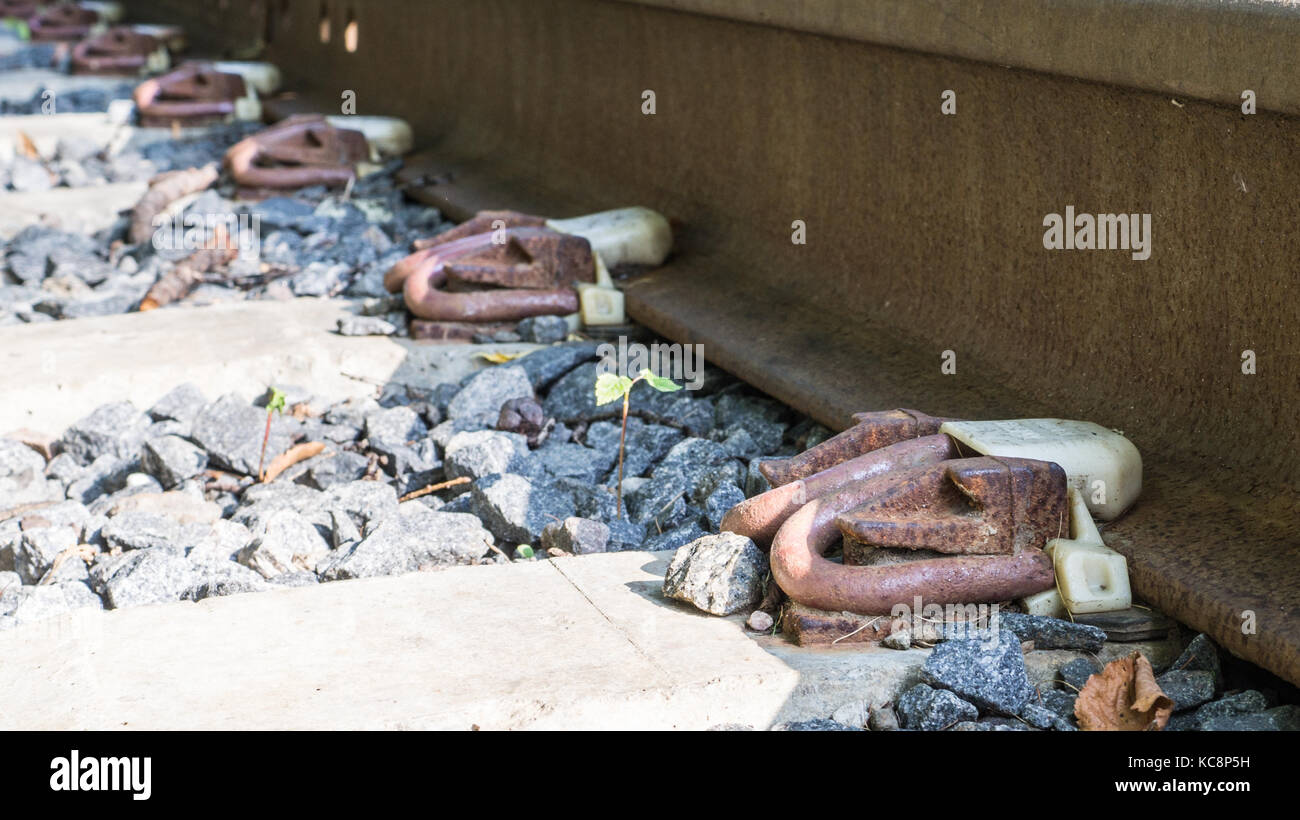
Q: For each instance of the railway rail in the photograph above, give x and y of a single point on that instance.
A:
(860, 191)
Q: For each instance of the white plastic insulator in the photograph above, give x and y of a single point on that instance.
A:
(636, 236)
(388, 136)
(1103, 465)
(108, 11)
(263, 77)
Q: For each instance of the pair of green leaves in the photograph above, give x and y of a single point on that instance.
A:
(277, 401)
(612, 388)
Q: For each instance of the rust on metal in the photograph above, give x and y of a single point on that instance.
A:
(807, 576)
(532, 271)
(19, 9)
(65, 22)
(870, 431)
(971, 506)
(480, 223)
(120, 50)
(815, 627)
(193, 94)
(165, 189)
(760, 517)
(300, 152)
(425, 331)
(808, 626)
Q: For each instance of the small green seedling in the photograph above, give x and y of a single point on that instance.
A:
(275, 405)
(610, 388)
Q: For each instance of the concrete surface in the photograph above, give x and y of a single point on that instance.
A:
(45, 130)
(576, 643)
(80, 210)
(53, 373)
(22, 85)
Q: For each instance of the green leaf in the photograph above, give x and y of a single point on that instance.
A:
(660, 383)
(277, 401)
(611, 388)
(524, 551)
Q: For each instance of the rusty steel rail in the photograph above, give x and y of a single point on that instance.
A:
(924, 231)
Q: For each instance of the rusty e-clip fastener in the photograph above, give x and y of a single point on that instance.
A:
(66, 22)
(503, 275)
(19, 9)
(120, 50)
(193, 94)
(893, 481)
(299, 152)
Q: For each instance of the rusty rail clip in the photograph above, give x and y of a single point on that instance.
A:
(893, 481)
(19, 9)
(973, 506)
(66, 22)
(301, 151)
(498, 276)
(120, 50)
(194, 94)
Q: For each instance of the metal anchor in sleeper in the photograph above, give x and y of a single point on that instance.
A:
(899, 480)
(502, 266)
(65, 22)
(301, 151)
(19, 9)
(195, 94)
(120, 50)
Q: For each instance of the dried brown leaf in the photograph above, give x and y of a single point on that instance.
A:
(26, 147)
(1123, 697)
(290, 457)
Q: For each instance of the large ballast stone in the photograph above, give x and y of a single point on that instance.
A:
(1201, 655)
(395, 425)
(928, 709)
(182, 404)
(116, 429)
(231, 430)
(290, 543)
(545, 366)
(35, 552)
(221, 545)
(367, 503)
(27, 604)
(1248, 702)
(1187, 689)
(479, 401)
(141, 531)
(143, 577)
(720, 574)
(172, 460)
(988, 670)
(646, 444)
(1280, 719)
(579, 536)
(1053, 633)
(415, 538)
(516, 510)
(483, 453)
(229, 579)
(22, 476)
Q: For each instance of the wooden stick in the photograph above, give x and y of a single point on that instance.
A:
(433, 488)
